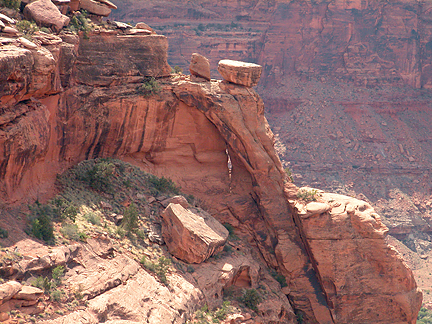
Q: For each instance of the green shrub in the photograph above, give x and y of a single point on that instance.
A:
(288, 174)
(3, 233)
(42, 283)
(93, 218)
(177, 70)
(57, 274)
(307, 195)
(56, 295)
(12, 4)
(99, 176)
(163, 184)
(279, 278)
(130, 219)
(70, 231)
(149, 87)
(250, 298)
(64, 209)
(26, 27)
(424, 316)
(41, 222)
(160, 268)
(80, 22)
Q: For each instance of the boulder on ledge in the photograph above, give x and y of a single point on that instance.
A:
(242, 73)
(192, 236)
(45, 13)
(200, 66)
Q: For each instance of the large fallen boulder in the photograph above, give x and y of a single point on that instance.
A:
(192, 236)
(200, 66)
(45, 13)
(96, 7)
(246, 74)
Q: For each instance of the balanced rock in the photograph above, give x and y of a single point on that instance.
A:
(176, 200)
(45, 13)
(242, 73)
(28, 293)
(142, 25)
(192, 237)
(95, 7)
(200, 66)
(8, 290)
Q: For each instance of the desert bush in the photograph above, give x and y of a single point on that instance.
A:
(57, 274)
(80, 22)
(279, 278)
(307, 195)
(56, 295)
(93, 218)
(11, 4)
(99, 176)
(163, 185)
(250, 298)
(288, 174)
(41, 222)
(177, 70)
(70, 231)
(159, 268)
(3, 233)
(149, 87)
(130, 219)
(424, 316)
(28, 28)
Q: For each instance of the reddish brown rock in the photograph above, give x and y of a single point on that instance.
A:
(200, 66)
(192, 237)
(96, 7)
(44, 12)
(28, 293)
(8, 290)
(242, 73)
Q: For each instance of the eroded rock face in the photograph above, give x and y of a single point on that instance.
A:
(192, 236)
(101, 115)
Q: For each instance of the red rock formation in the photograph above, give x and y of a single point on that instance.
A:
(101, 116)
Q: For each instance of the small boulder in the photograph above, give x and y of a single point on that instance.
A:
(192, 236)
(45, 13)
(142, 25)
(10, 30)
(29, 293)
(8, 290)
(242, 73)
(200, 66)
(27, 44)
(176, 200)
(95, 7)
(6, 19)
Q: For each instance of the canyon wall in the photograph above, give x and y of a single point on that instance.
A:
(346, 86)
(74, 100)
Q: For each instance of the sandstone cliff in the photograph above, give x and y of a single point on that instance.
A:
(74, 101)
(346, 86)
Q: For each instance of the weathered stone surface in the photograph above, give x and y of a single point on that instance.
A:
(135, 56)
(6, 19)
(26, 43)
(142, 25)
(351, 255)
(192, 237)
(176, 200)
(8, 290)
(28, 293)
(95, 7)
(200, 66)
(10, 30)
(242, 73)
(44, 12)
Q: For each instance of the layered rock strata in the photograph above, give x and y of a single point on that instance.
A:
(233, 168)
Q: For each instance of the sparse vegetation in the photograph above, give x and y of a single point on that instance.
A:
(99, 175)
(205, 316)
(159, 268)
(177, 70)
(163, 185)
(130, 219)
(307, 194)
(3, 233)
(149, 87)
(424, 316)
(250, 298)
(93, 218)
(41, 222)
(80, 22)
(288, 173)
(279, 278)
(11, 4)
(28, 28)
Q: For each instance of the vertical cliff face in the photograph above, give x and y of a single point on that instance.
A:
(211, 138)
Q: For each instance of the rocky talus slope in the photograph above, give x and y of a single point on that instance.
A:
(66, 99)
(346, 86)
